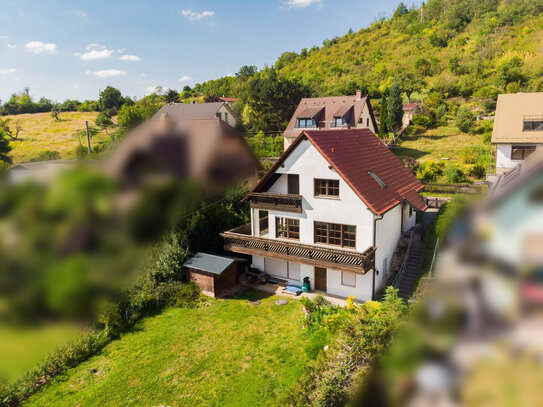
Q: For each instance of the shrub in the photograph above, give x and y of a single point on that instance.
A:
(411, 164)
(47, 155)
(477, 171)
(464, 119)
(430, 170)
(421, 120)
(455, 175)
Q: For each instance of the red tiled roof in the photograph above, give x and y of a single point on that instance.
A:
(410, 106)
(225, 99)
(354, 154)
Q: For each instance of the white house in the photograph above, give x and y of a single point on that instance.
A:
(332, 208)
(518, 128)
(331, 113)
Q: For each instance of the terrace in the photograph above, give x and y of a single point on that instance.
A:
(240, 240)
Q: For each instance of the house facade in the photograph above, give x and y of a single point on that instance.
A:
(331, 113)
(409, 110)
(332, 209)
(518, 128)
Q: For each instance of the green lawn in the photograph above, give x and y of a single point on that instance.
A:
(228, 353)
(21, 348)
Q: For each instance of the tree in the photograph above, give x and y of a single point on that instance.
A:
(7, 131)
(103, 121)
(464, 119)
(55, 111)
(110, 98)
(395, 107)
(246, 72)
(271, 100)
(383, 131)
(5, 148)
(130, 117)
(171, 96)
(411, 83)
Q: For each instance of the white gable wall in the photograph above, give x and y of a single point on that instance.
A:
(503, 156)
(366, 120)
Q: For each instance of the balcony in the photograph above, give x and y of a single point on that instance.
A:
(279, 202)
(239, 240)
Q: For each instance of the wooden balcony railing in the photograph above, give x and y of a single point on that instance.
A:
(280, 202)
(239, 240)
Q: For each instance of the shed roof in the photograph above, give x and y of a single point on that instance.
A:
(511, 111)
(210, 263)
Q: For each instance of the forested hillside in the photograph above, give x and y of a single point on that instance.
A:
(456, 47)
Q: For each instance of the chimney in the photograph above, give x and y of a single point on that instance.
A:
(165, 122)
(358, 94)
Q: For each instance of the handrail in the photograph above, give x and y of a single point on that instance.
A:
(238, 241)
(399, 275)
(432, 265)
(269, 200)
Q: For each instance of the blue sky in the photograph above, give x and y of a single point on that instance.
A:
(71, 49)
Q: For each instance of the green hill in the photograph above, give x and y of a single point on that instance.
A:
(454, 47)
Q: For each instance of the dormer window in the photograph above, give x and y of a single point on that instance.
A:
(338, 122)
(303, 123)
(533, 125)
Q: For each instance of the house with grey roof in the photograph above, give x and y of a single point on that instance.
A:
(197, 111)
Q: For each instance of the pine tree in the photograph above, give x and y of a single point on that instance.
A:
(383, 131)
(395, 108)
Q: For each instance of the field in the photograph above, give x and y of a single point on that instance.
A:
(442, 143)
(41, 132)
(21, 348)
(228, 353)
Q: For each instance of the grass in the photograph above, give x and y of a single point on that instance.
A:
(442, 143)
(228, 353)
(21, 348)
(41, 132)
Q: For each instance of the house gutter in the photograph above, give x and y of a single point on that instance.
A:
(375, 271)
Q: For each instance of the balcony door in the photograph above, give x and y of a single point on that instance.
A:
(293, 184)
(320, 279)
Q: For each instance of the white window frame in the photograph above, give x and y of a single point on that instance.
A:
(343, 282)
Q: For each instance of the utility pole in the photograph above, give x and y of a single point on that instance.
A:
(88, 135)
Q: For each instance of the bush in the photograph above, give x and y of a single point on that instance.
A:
(477, 171)
(430, 170)
(47, 155)
(411, 164)
(464, 119)
(455, 175)
(421, 120)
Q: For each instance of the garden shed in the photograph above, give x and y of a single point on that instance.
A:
(215, 275)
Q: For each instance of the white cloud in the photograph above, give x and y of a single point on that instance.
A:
(194, 16)
(109, 73)
(88, 72)
(185, 78)
(4, 71)
(142, 75)
(81, 13)
(40, 47)
(93, 52)
(12, 46)
(230, 74)
(131, 58)
(152, 89)
(3, 37)
(77, 86)
(300, 3)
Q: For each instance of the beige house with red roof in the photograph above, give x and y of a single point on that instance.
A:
(330, 210)
(331, 113)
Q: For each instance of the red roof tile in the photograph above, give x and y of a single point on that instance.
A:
(354, 154)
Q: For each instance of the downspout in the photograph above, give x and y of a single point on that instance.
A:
(375, 219)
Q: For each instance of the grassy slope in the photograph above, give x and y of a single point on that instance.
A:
(41, 132)
(22, 348)
(436, 144)
(229, 353)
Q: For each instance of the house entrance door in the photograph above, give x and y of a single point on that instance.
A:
(320, 279)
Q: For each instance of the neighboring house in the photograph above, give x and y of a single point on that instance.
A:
(409, 110)
(331, 113)
(39, 171)
(207, 150)
(194, 111)
(227, 100)
(513, 220)
(518, 128)
(332, 209)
